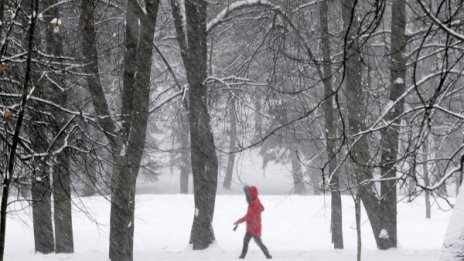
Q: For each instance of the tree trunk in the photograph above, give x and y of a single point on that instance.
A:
(42, 209)
(185, 167)
(232, 144)
(14, 143)
(122, 212)
(357, 207)
(330, 130)
(128, 144)
(425, 170)
(61, 173)
(62, 205)
(89, 176)
(381, 216)
(298, 182)
(130, 155)
(390, 136)
(203, 154)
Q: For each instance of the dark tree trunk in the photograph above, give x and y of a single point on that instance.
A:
(330, 130)
(128, 145)
(129, 156)
(42, 209)
(203, 154)
(89, 176)
(381, 214)
(62, 205)
(232, 145)
(390, 136)
(61, 174)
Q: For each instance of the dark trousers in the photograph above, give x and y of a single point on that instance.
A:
(258, 241)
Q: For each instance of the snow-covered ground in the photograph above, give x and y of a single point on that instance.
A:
(295, 228)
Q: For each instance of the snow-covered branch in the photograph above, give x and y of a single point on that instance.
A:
(440, 23)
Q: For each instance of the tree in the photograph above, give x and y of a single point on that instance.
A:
(127, 144)
(193, 45)
(330, 130)
(381, 213)
(7, 177)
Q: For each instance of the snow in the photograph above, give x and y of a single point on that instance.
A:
(294, 228)
(453, 245)
(384, 234)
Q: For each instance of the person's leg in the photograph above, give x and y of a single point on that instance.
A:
(246, 241)
(259, 242)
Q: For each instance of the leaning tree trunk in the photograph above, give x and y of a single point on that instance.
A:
(232, 144)
(330, 130)
(18, 126)
(203, 154)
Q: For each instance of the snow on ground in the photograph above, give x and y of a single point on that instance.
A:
(453, 245)
(295, 228)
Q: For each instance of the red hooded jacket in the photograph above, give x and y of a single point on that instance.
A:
(253, 215)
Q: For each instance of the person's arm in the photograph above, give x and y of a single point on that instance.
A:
(246, 217)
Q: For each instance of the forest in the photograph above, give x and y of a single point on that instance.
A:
(359, 100)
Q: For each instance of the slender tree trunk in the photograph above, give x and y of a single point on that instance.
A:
(425, 169)
(330, 130)
(14, 143)
(61, 173)
(390, 137)
(258, 116)
(203, 154)
(185, 168)
(357, 207)
(232, 144)
(298, 182)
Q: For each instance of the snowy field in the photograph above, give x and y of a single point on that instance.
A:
(294, 228)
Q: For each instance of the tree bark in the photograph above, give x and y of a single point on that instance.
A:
(185, 167)
(203, 154)
(425, 170)
(390, 136)
(62, 205)
(232, 144)
(42, 208)
(61, 173)
(330, 130)
(129, 156)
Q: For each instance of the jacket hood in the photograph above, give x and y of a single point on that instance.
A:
(253, 192)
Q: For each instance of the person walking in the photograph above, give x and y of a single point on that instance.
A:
(253, 221)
